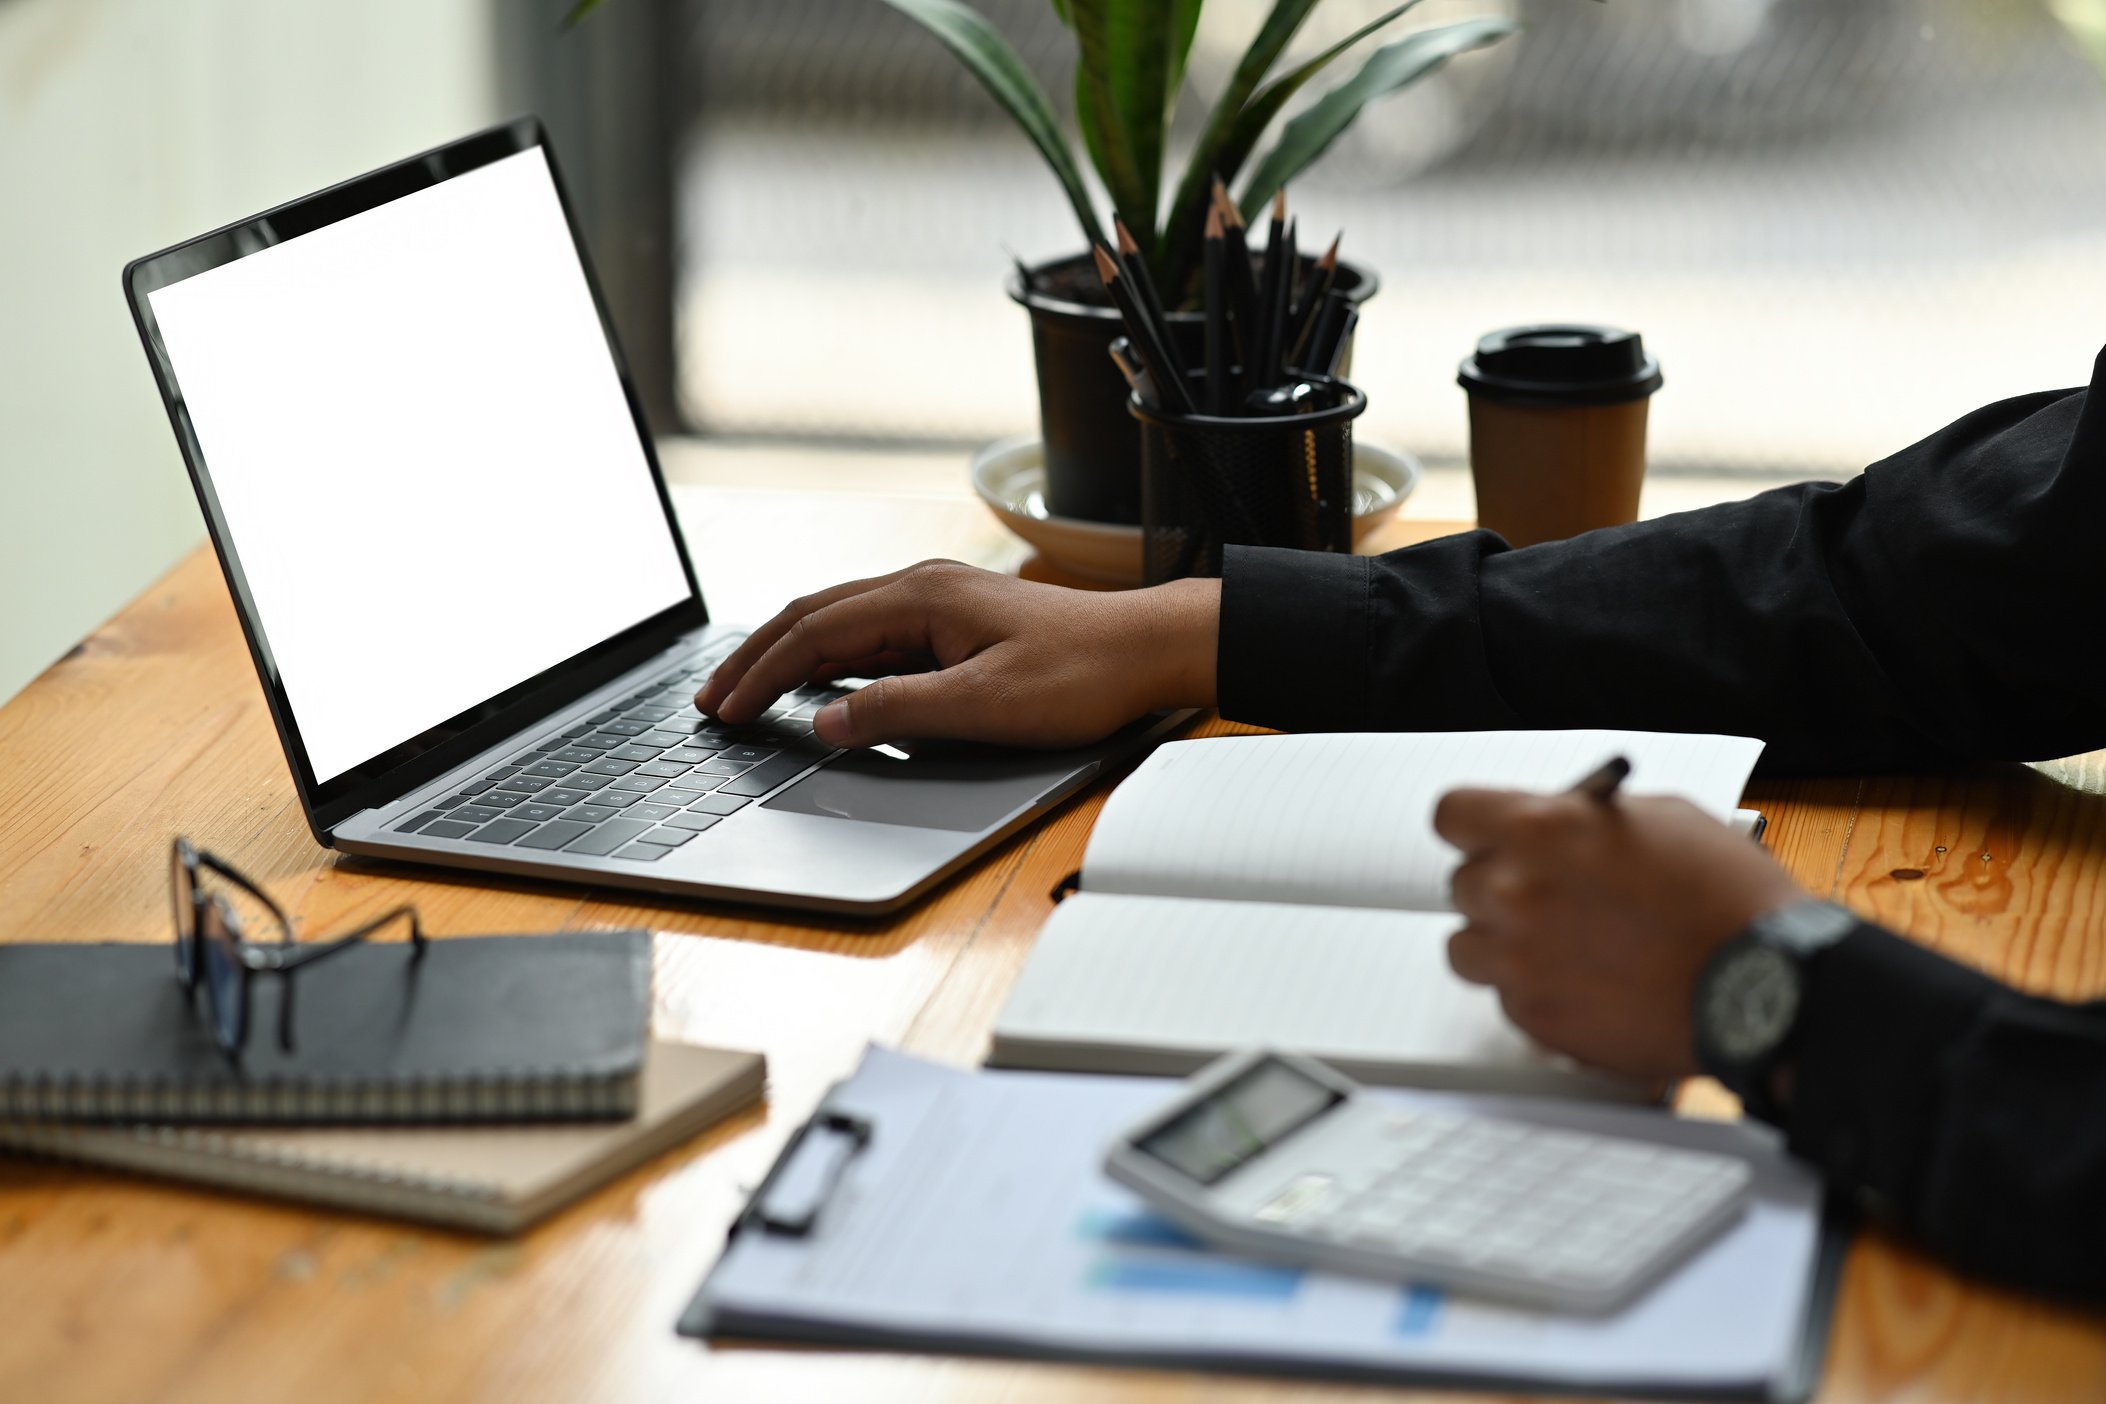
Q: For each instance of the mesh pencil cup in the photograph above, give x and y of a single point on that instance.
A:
(1209, 481)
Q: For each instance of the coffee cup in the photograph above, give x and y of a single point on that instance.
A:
(1557, 429)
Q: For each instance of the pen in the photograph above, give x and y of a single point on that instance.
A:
(1301, 322)
(1603, 783)
(1336, 358)
(1129, 363)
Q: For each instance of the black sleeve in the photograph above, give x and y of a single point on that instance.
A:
(1972, 1116)
(1921, 611)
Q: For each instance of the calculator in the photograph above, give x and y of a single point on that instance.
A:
(1277, 1156)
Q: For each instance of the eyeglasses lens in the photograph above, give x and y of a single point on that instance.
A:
(181, 895)
(223, 976)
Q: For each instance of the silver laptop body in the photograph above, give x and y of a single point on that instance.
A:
(443, 523)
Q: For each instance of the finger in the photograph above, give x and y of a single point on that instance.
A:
(1469, 886)
(884, 620)
(877, 665)
(727, 674)
(950, 703)
(1474, 954)
(1473, 820)
(1537, 1016)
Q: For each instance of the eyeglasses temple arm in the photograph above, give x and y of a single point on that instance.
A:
(307, 955)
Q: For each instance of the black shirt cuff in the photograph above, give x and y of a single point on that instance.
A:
(1293, 646)
(1312, 641)
(1882, 1019)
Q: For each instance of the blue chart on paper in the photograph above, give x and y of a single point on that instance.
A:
(1420, 1309)
(1145, 1253)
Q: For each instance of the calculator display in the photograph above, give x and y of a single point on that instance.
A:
(1239, 1120)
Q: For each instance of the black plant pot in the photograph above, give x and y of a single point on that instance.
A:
(1093, 447)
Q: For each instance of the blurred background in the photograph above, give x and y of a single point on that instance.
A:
(1839, 225)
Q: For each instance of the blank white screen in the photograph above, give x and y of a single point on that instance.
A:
(423, 454)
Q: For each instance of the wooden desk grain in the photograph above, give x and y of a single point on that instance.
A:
(113, 1288)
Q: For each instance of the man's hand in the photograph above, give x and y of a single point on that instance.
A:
(1593, 919)
(968, 654)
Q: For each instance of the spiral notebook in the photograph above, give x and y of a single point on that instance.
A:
(490, 1179)
(482, 1028)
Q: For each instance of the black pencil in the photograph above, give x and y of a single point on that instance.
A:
(1243, 286)
(1276, 324)
(1321, 281)
(1136, 270)
(1257, 368)
(1216, 293)
(1170, 389)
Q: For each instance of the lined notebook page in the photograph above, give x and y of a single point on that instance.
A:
(1370, 991)
(1346, 819)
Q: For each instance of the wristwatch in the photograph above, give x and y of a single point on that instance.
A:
(1749, 996)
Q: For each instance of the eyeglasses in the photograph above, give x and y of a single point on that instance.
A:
(217, 910)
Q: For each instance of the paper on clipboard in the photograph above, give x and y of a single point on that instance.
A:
(977, 1220)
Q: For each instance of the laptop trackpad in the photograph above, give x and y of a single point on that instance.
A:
(959, 788)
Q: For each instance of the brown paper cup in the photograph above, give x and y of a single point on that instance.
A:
(1557, 429)
(1545, 473)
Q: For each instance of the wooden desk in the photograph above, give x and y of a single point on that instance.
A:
(123, 1289)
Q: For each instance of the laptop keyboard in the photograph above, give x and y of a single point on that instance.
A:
(635, 781)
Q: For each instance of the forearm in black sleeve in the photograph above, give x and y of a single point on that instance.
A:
(1919, 612)
(1972, 1116)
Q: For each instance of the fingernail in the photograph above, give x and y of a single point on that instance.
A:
(830, 723)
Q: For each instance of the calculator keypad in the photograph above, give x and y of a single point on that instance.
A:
(1536, 1204)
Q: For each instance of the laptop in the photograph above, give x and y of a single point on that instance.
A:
(444, 527)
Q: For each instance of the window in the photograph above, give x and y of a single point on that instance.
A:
(1838, 225)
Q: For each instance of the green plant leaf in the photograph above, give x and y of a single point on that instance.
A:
(1184, 24)
(1389, 69)
(586, 7)
(1122, 99)
(1257, 114)
(1178, 248)
(989, 58)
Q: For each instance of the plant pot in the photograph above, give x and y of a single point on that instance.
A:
(1093, 447)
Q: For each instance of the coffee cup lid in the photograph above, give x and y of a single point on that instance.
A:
(1561, 365)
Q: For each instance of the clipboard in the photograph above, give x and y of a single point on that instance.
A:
(815, 1191)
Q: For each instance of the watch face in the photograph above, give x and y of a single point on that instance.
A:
(1750, 1003)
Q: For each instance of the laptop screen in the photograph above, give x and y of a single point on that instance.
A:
(423, 453)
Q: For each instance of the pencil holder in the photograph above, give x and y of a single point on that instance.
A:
(1210, 481)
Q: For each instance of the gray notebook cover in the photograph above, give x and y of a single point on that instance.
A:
(486, 1028)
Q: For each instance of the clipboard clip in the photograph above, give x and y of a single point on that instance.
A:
(801, 1181)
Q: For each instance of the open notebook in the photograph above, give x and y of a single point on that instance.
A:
(1290, 891)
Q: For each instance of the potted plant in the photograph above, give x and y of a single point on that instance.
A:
(1130, 67)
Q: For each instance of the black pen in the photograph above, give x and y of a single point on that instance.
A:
(1603, 783)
